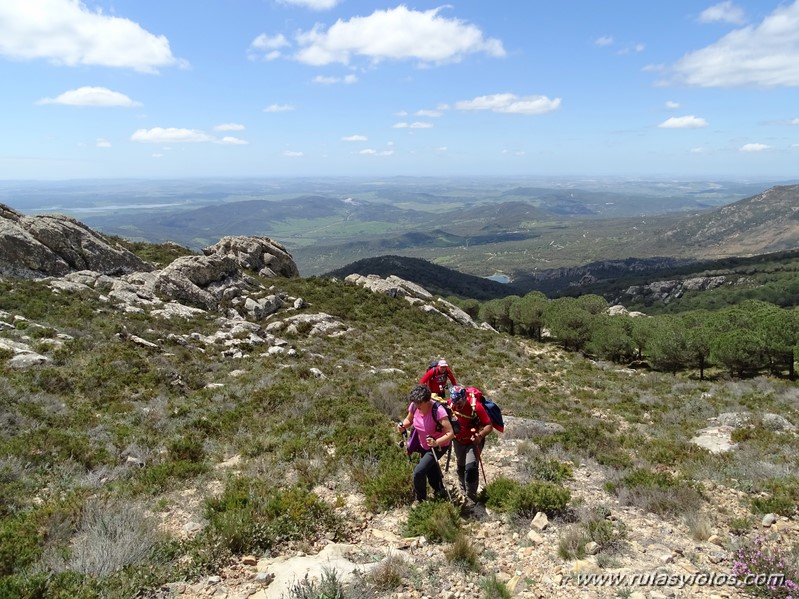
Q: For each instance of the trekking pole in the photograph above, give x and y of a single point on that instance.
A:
(479, 452)
(441, 473)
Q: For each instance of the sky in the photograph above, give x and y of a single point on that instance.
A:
(105, 89)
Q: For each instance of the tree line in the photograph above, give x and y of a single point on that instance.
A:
(745, 339)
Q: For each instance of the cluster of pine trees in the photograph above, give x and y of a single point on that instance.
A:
(745, 339)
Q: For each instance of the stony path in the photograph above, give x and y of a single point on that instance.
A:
(524, 557)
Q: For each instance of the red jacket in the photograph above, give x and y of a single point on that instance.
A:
(436, 380)
(471, 415)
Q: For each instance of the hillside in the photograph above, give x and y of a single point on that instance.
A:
(154, 448)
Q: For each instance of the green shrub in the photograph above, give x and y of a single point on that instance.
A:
(496, 494)
(552, 471)
(782, 499)
(437, 521)
(493, 588)
(250, 516)
(390, 486)
(534, 497)
(463, 555)
(21, 540)
(329, 587)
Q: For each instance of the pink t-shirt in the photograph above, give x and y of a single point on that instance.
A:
(426, 425)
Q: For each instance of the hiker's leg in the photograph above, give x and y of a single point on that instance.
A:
(460, 457)
(434, 473)
(421, 474)
(472, 476)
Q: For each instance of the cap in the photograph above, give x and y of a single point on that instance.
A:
(442, 363)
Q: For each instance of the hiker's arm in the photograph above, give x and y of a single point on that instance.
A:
(483, 432)
(451, 376)
(448, 435)
(406, 422)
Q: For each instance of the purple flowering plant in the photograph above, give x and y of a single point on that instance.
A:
(766, 571)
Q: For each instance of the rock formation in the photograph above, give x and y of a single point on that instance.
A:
(35, 247)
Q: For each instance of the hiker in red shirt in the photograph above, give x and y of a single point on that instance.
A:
(436, 379)
(469, 442)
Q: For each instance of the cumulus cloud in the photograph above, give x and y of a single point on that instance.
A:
(765, 55)
(312, 4)
(279, 108)
(395, 34)
(348, 79)
(102, 143)
(605, 40)
(267, 47)
(372, 152)
(229, 127)
(429, 113)
(66, 32)
(232, 141)
(672, 105)
(91, 96)
(683, 122)
(754, 147)
(510, 103)
(159, 135)
(293, 154)
(725, 12)
(794, 121)
(416, 125)
(355, 138)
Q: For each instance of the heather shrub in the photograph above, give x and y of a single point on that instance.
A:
(437, 521)
(768, 571)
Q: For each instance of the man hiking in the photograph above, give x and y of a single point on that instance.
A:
(475, 425)
(436, 378)
(433, 434)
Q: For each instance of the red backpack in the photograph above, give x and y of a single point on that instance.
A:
(494, 412)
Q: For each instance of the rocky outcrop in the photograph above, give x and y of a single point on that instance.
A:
(53, 245)
(417, 295)
(666, 291)
(259, 254)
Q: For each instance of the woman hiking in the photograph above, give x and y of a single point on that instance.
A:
(433, 434)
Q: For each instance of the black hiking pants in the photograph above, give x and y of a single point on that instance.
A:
(428, 470)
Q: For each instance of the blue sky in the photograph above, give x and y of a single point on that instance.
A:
(261, 88)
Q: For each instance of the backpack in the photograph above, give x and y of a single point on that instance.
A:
(456, 426)
(433, 364)
(493, 410)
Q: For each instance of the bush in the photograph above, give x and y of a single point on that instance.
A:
(437, 521)
(775, 572)
(496, 494)
(463, 554)
(390, 486)
(329, 587)
(493, 588)
(249, 516)
(536, 497)
(388, 574)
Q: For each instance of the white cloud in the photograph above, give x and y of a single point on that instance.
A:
(348, 79)
(725, 12)
(672, 105)
(91, 96)
(697, 150)
(402, 125)
(312, 4)
(293, 154)
(605, 40)
(232, 141)
(429, 113)
(794, 122)
(401, 113)
(266, 47)
(395, 34)
(66, 32)
(229, 127)
(279, 108)
(355, 138)
(765, 55)
(510, 103)
(420, 125)
(754, 147)
(102, 143)
(169, 135)
(372, 152)
(683, 122)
